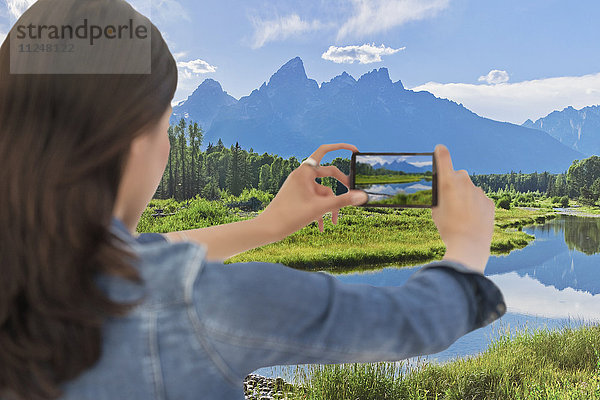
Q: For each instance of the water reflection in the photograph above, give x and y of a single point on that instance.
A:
(528, 296)
(561, 255)
(377, 192)
(583, 234)
(551, 283)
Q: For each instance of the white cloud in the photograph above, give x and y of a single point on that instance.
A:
(179, 55)
(281, 28)
(16, 8)
(190, 75)
(196, 67)
(373, 16)
(495, 77)
(366, 17)
(371, 159)
(516, 102)
(421, 163)
(365, 54)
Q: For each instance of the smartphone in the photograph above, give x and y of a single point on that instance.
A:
(399, 180)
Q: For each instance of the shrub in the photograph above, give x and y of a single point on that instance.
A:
(564, 201)
(504, 202)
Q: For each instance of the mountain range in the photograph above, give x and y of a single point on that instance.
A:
(578, 129)
(402, 166)
(291, 115)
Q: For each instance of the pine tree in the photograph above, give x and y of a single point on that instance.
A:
(264, 180)
(182, 147)
(276, 174)
(235, 186)
(171, 184)
(220, 145)
(210, 148)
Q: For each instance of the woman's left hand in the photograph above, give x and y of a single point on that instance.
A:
(301, 199)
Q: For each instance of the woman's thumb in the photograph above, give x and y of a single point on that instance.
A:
(354, 197)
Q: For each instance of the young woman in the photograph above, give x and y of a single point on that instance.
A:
(90, 310)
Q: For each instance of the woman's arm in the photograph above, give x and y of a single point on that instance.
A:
(260, 314)
(300, 200)
(227, 240)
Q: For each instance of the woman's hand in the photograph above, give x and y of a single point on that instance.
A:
(301, 199)
(464, 215)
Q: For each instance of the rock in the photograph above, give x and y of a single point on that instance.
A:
(258, 387)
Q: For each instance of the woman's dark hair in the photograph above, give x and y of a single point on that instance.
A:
(64, 141)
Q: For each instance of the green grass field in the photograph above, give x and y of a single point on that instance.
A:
(364, 238)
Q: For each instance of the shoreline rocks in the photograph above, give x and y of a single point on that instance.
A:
(257, 387)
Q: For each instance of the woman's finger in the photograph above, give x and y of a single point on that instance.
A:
(443, 162)
(334, 216)
(323, 190)
(333, 171)
(326, 148)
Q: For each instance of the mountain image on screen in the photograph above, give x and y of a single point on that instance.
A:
(395, 180)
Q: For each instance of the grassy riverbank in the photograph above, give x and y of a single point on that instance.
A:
(363, 238)
(545, 364)
(585, 209)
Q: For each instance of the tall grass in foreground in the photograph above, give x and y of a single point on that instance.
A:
(545, 364)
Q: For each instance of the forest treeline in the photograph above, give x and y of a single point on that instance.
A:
(217, 169)
(363, 168)
(581, 181)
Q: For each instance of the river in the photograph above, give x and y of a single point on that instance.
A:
(553, 282)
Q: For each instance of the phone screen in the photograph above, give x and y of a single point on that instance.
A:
(395, 179)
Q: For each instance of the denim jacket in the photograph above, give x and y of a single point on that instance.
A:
(202, 326)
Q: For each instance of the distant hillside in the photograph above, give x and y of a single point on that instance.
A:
(578, 129)
(293, 115)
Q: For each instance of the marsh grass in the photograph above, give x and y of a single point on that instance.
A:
(365, 238)
(541, 364)
(518, 217)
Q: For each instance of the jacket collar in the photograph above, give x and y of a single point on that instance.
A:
(119, 228)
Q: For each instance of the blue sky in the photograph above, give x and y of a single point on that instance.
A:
(508, 60)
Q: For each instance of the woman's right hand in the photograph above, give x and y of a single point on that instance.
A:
(464, 215)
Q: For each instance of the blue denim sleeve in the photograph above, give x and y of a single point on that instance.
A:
(258, 314)
(147, 237)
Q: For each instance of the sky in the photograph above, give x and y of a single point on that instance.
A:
(508, 60)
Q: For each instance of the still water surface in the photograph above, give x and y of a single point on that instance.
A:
(551, 283)
(382, 191)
